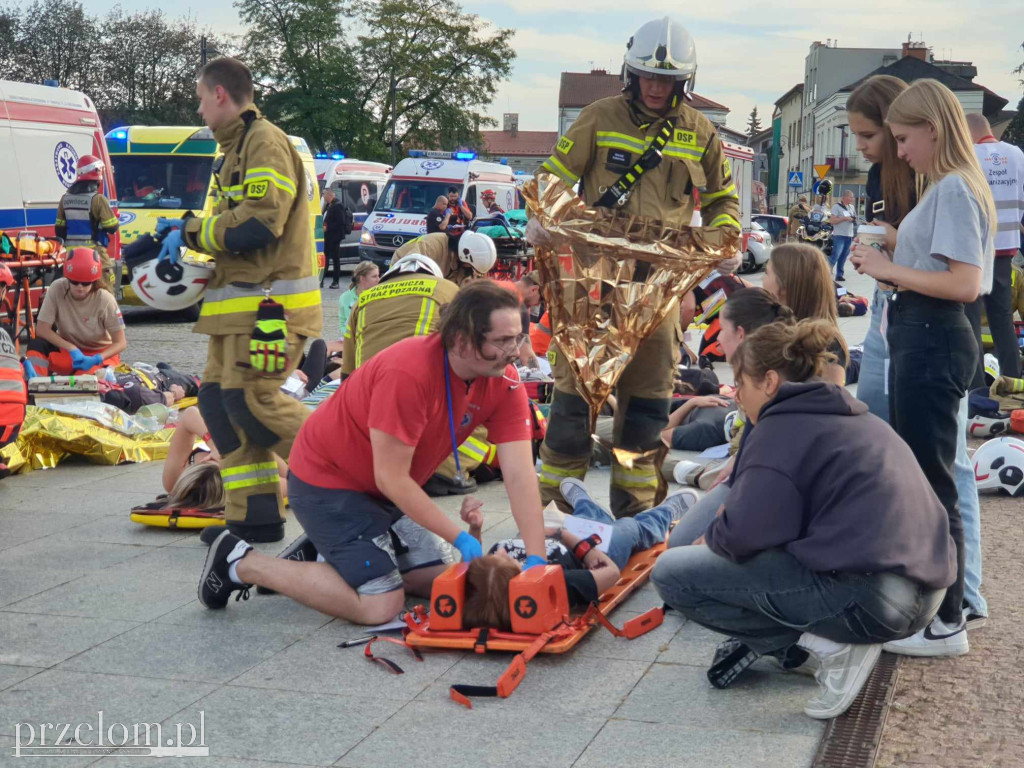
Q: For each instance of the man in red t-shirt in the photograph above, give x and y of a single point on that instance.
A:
(359, 460)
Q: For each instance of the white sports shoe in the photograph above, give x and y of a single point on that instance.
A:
(841, 674)
(937, 639)
(680, 501)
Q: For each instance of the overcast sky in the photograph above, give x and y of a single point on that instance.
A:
(748, 52)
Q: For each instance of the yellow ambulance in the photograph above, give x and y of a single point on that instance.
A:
(168, 171)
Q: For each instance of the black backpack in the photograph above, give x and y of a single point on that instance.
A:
(346, 219)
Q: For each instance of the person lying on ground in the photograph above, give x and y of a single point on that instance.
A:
(359, 462)
(129, 392)
(587, 570)
(836, 544)
(79, 328)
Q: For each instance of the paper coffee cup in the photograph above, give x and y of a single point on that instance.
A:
(871, 235)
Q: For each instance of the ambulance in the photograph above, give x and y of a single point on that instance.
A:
(168, 171)
(416, 182)
(358, 185)
(43, 131)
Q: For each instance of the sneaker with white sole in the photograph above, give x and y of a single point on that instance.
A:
(216, 584)
(573, 490)
(841, 674)
(972, 619)
(681, 501)
(302, 550)
(937, 639)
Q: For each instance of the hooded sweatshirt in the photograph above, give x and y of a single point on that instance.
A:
(835, 487)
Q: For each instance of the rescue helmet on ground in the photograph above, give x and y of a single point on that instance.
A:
(6, 278)
(661, 47)
(412, 263)
(170, 287)
(89, 168)
(83, 266)
(478, 251)
(999, 463)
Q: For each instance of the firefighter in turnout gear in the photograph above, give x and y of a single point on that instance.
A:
(85, 218)
(645, 151)
(260, 236)
(474, 256)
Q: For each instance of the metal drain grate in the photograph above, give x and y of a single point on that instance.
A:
(851, 740)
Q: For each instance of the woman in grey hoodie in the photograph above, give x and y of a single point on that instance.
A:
(831, 538)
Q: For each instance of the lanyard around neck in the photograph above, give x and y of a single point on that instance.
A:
(451, 414)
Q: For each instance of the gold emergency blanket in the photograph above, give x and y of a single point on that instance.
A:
(611, 278)
(47, 437)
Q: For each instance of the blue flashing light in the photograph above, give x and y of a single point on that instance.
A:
(503, 161)
(465, 155)
(416, 153)
(338, 156)
(118, 133)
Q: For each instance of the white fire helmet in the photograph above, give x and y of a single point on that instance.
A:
(478, 251)
(999, 463)
(170, 287)
(661, 47)
(412, 263)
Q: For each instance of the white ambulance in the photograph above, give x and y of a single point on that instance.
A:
(415, 184)
(43, 131)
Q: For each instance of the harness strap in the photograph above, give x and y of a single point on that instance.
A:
(509, 679)
(618, 193)
(388, 663)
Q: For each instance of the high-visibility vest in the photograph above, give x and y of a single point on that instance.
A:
(78, 216)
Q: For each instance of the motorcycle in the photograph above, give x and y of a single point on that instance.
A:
(816, 231)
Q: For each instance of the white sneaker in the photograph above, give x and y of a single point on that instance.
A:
(573, 490)
(841, 674)
(937, 639)
(681, 501)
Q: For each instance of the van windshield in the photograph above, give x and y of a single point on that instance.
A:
(162, 181)
(411, 195)
(358, 195)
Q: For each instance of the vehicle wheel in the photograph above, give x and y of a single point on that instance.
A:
(749, 264)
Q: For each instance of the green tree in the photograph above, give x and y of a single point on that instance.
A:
(1014, 132)
(9, 21)
(444, 65)
(753, 123)
(55, 40)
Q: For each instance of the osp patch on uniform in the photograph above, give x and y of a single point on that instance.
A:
(685, 138)
(726, 168)
(254, 190)
(564, 145)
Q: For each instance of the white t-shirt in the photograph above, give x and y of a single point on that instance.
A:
(843, 228)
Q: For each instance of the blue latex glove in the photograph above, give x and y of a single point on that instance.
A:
(91, 361)
(171, 248)
(533, 560)
(163, 224)
(30, 371)
(467, 546)
(77, 359)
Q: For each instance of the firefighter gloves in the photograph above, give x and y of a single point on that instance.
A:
(268, 345)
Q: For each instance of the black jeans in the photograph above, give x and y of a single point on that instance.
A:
(332, 257)
(999, 309)
(933, 356)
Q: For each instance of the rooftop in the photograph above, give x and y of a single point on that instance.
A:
(521, 144)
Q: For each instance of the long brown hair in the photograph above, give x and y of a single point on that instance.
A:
(872, 99)
(750, 308)
(487, 583)
(806, 283)
(796, 352)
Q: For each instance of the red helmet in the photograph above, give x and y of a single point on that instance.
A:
(90, 168)
(6, 278)
(488, 193)
(83, 266)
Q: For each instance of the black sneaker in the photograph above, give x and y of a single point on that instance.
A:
(334, 286)
(301, 550)
(215, 585)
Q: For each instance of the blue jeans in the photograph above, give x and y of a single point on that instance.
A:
(631, 534)
(871, 386)
(970, 513)
(769, 600)
(840, 250)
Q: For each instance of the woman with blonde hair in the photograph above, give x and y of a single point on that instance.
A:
(365, 275)
(799, 275)
(943, 259)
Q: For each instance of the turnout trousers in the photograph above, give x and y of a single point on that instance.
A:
(643, 394)
(250, 421)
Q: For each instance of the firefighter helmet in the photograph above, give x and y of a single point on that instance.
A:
(83, 266)
(999, 463)
(89, 168)
(170, 287)
(411, 264)
(661, 47)
(478, 251)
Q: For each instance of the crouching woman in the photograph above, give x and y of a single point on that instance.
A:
(836, 544)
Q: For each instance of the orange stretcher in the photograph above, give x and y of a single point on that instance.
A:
(561, 635)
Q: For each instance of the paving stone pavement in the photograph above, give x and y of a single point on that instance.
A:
(97, 613)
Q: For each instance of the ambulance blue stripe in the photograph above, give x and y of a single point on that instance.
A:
(37, 217)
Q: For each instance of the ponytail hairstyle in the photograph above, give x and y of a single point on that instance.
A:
(487, 581)
(929, 102)
(872, 99)
(750, 308)
(363, 268)
(796, 353)
(199, 487)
